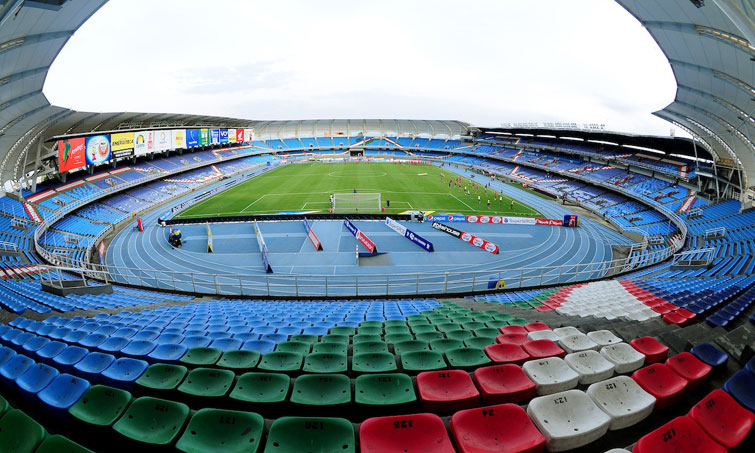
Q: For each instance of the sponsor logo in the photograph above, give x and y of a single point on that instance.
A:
(472, 219)
(447, 229)
(490, 247)
(484, 219)
(466, 237)
(478, 242)
(457, 218)
(496, 220)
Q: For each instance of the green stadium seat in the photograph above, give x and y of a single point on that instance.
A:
(517, 322)
(299, 347)
(201, 356)
(445, 344)
(325, 362)
(60, 444)
(310, 434)
(458, 334)
(331, 348)
(335, 338)
(239, 359)
(281, 361)
(363, 338)
(343, 330)
(472, 325)
(373, 362)
(4, 406)
(466, 357)
(207, 382)
(447, 326)
(321, 389)
(371, 324)
(370, 331)
(429, 336)
(398, 337)
(161, 376)
(19, 432)
(486, 332)
(101, 405)
(422, 361)
(392, 330)
(369, 346)
(423, 328)
(152, 420)
(222, 430)
(303, 338)
(479, 342)
(261, 388)
(415, 318)
(395, 322)
(384, 389)
(410, 346)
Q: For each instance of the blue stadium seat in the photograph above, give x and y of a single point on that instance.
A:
(196, 341)
(92, 366)
(63, 391)
(36, 378)
(742, 387)
(69, 357)
(710, 354)
(167, 353)
(123, 372)
(139, 348)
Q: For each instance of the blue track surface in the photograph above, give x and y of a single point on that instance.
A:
(291, 253)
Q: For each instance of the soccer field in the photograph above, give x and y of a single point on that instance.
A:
(307, 187)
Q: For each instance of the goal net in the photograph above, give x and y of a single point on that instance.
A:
(356, 202)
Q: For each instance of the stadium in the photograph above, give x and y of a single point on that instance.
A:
(178, 282)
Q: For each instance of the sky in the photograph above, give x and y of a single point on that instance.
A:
(486, 62)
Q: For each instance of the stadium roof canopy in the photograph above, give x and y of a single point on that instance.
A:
(710, 45)
(319, 128)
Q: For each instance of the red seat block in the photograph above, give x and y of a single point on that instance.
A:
(447, 391)
(661, 382)
(505, 427)
(536, 326)
(653, 350)
(503, 384)
(723, 419)
(512, 338)
(690, 368)
(405, 433)
(507, 353)
(540, 349)
(521, 330)
(679, 435)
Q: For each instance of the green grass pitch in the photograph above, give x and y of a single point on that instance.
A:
(307, 187)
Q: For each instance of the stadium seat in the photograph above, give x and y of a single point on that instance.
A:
(536, 326)
(503, 384)
(123, 372)
(167, 353)
(92, 366)
(222, 430)
(201, 356)
(504, 427)
(568, 419)
(153, 421)
(261, 388)
(515, 330)
(101, 405)
(58, 443)
(458, 334)
(661, 382)
(577, 342)
(710, 354)
(162, 376)
(325, 362)
(723, 419)
(623, 400)
(239, 359)
(479, 342)
(63, 392)
(540, 349)
(330, 348)
(139, 348)
(15, 367)
(375, 362)
(543, 335)
(281, 361)
(36, 377)
(321, 389)
(444, 344)
(294, 346)
(19, 432)
(369, 346)
(69, 357)
(625, 358)
(566, 331)
(551, 375)
(405, 433)
(741, 386)
(446, 391)
(690, 368)
(113, 344)
(311, 434)
(651, 348)
(207, 382)
(466, 358)
(196, 341)
(422, 361)
(384, 389)
(590, 365)
(261, 346)
(50, 350)
(507, 353)
(681, 434)
(512, 338)
(410, 346)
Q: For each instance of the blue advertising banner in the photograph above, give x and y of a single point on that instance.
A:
(409, 234)
(446, 218)
(350, 226)
(98, 149)
(364, 240)
(192, 138)
(311, 235)
(223, 135)
(214, 136)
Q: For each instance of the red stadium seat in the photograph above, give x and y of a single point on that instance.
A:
(681, 434)
(653, 350)
(506, 330)
(506, 353)
(503, 384)
(512, 338)
(446, 391)
(722, 418)
(540, 349)
(535, 326)
(661, 382)
(505, 427)
(690, 368)
(405, 433)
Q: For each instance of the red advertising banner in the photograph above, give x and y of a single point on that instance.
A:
(549, 222)
(480, 242)
(366, 242)
(240, 136)
(71, 154)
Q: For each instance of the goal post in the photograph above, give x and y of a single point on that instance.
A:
(356, 202)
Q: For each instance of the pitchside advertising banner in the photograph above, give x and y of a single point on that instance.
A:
(98, 149)
(311, 235)
(144, 142)
(231, 135)
(71, 154)
(223, 135)
(409, 234)
(214, 136)
(467, 237)
(569, 220)
(192, 138)
(204, 137)
(122, 145)
(163, 140)
(364, 240)
(179, 138)
(240, 136)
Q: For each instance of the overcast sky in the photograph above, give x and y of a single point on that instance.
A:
(481, 61)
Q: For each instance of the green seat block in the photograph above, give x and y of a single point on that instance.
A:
(302, 338)
(261, 388)
(390, 330)
(370, 346)
(222, 430)
(430, 336)
(517, 321)
(422, 361)
(162, 376)
(503, 317)
(281, 361)
(201, 356)
(321, 389)
(479, 342)
(325, 362)
(422, 328)
(370, 324)
(459, 334)
(343, 330)
(331, 348)
(19, 432)
(370, 330)
(300, 347)
(101, 405)
(487, 332)
(373, 362)
(445, 344)
(207, 382)
(4, 406)
(384, 389)
(466, 357)
(310, 434)
(239, 359)
(364, 338)
(394, 323)
(410, 346)
(397, 337)
(335, 338)
(472, 325)
(60, 444)
(152, 420)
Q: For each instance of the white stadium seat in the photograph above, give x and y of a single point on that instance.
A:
(543, 335)
(568, 419)
(623, 400)
(604, 337)
(566, 331)
(624, 357)
(550, 375)
(590, 365)
(577, 342)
